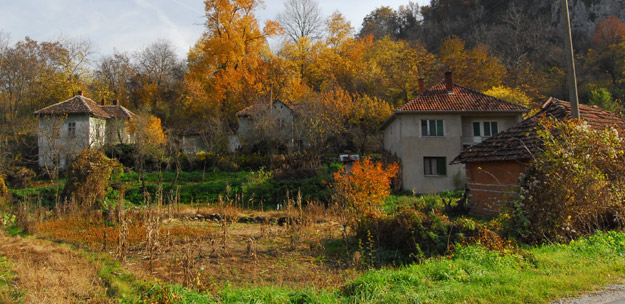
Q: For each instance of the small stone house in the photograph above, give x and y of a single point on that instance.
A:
(495, 165)
(431, 130)
(66, 128)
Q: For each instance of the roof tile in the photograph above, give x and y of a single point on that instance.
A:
(520, 142)
(438, 99)
(75, 105)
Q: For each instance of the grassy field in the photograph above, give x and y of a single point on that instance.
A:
(290, 251)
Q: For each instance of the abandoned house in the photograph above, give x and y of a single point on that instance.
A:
(66, 128)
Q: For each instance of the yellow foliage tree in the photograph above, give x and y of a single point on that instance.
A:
(473, 68)
(512, 95)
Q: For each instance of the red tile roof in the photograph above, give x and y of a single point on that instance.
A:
(438, 99)
(118, 111)
(521, 143)
(74, 105)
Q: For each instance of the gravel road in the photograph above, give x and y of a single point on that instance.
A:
(613, 294)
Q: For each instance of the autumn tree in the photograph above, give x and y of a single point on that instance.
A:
(226, 64)
(398, 67)
(113, 76)
(365, 119)
(301, 19)
(608, 32)
(160, 73)
(473, 68)
(512, 95)
(323, 118)
(149, 141)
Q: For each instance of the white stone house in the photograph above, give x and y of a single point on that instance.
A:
(68, 127)
(427, 133)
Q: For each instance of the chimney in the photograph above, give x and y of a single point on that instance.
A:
(421, 85)
(449, 82)
(103, 101)
(80, 93)
(114, 102)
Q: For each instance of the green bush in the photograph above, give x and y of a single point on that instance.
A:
(415, 233)
(573, 188)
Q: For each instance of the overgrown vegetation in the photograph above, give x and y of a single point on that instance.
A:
(89, 177)
(574, 187)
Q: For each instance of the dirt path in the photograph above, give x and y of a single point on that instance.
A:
(614, 294)
(49, 273)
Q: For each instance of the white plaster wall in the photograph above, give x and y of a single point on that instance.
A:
(56, 146)
(402, 137)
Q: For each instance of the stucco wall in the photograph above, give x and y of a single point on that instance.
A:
(56, 145)
(402, 137)
(492, 184)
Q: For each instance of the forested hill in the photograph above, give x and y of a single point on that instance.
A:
(525, 35)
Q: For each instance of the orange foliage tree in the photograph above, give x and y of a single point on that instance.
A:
(364, 187)
(608, 32)
(225, 67)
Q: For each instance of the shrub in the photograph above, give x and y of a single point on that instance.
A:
(89, 177)
(20, 177)
(416, 233)
(573, 188)
(364, 187)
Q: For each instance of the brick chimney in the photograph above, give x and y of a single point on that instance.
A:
(421, 85)
(80, 93)
(103, 101)
(114, 102)
(449, 82)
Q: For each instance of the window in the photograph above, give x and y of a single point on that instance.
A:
(435, 166)
(71, 129)
(432, 128)
(485, 128)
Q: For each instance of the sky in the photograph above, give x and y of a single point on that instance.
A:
(130, 25)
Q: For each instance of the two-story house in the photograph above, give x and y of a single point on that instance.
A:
(431, 130)
(67, 127)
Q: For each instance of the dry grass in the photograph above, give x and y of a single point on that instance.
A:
(47, 273)
(284, 248)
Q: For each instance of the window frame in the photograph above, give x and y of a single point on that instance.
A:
(71, 129)
(482, 128)
(426, 127)
(439, 162)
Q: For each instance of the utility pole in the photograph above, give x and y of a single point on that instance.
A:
(570, 56)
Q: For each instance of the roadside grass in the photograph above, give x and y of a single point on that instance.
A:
(477, 275)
